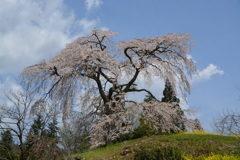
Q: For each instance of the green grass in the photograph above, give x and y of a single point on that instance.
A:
(190, 144)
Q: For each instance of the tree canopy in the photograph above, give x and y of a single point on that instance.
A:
(100, 72)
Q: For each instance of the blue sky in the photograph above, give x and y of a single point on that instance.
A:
(32, 30)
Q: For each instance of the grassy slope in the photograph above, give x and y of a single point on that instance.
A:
(194, 144)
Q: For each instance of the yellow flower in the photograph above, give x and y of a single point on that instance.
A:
(213, 157)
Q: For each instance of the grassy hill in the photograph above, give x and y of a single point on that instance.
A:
(189, 146)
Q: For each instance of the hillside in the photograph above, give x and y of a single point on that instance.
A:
(189, 145)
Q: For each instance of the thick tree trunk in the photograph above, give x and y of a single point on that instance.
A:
(113, 107)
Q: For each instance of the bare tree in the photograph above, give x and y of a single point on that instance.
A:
(227, 124)
(103, 72)
(14, 117)
(17, 115)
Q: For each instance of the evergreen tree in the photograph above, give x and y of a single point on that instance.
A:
(35, 136)
(6, 145)
(197, 125)
(38, 126)
(53, 129)
(7, 137)
(148, 98)
(43, 138)
(169, 94)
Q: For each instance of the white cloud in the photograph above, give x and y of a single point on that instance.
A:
(87, 25)
(34, 30)
(189, 56)
(104, 28)
(207, 73)
(90, 4)
(8, 84)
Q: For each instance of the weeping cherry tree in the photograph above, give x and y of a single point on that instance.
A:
(102, 71)
(95, 73)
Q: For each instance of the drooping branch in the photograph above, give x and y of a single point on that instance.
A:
(106, 77)
(91, 65)
(53, 86)
(143, 90)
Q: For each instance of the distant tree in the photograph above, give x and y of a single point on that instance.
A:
(227, 123)
(169, 95)
(42, 139)
(148, 98)
(38, 126)
(15, 117)
(74, 134)
(53, 129)
(198, 125)
(44, 126)
(7, 145)
(6, 137)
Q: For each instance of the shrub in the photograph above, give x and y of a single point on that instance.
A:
(163, 153)
(125, 137)
(145, 128)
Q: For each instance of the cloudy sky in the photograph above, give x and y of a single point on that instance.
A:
(33, 30)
